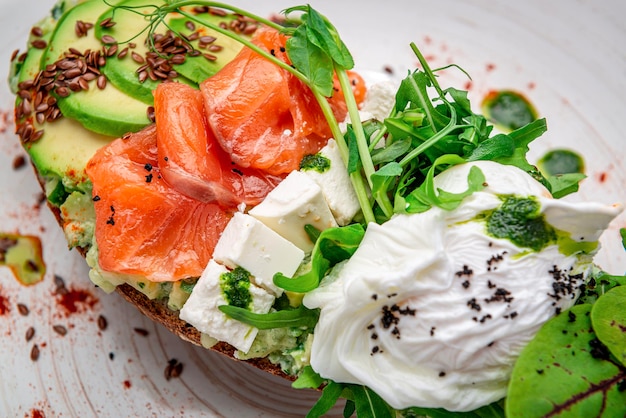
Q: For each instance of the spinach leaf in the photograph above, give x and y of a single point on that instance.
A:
(608, 318)
(567, 371)
(311, 60)
(494, 410)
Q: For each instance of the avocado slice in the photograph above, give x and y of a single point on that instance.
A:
(64, 150)
(131, 28)
(199, 68)
(130, 21)
(107, 111)
(61, 153)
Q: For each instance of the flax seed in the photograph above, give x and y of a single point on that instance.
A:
(108, 40)
(143, 76)
(101, 82)
(62, 91)
(122, 53)
(21, 308)
(36, 31)
(39, 44)
(30, 333)
(60, 329)
(141, 331)
(150, 114)
(72, 72)
(34, 353)
(107, 23)
(112, 50)
(137, 58)
(217, 12)
(83, 83)
(102, 323)
(250, 29)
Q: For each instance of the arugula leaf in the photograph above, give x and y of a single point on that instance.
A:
(392, 152)
(425, 197)
(295, 318)
(330, 396)
(354, 161)
(622, 232)
(522, 137)
(561, 185)
(308, 379)
(497, 147)
(332, 246)
(368, 404)
(349, 409)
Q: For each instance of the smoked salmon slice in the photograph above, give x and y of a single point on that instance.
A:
(144, 226)
(190, 158)
(164, 195)
(263, 116)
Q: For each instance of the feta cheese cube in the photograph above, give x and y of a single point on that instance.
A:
(248, 243)
(294, 203)
(380, 99)
(201, 309)
(336, 185)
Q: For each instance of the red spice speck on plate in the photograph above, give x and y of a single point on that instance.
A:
(4, 304)
(127, 384)
(602, 177)
(37, 413)
(76, 300)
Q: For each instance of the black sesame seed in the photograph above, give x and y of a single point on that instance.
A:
(571, 316)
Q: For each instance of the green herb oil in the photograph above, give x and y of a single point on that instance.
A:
(561, 161)
(508, 110)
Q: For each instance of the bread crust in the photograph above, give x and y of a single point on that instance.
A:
(157, 311)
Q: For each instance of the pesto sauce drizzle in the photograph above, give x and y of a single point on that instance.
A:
(518, 219)
(315, 162)
(235, 286)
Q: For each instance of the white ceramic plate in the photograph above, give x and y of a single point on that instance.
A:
(566, 56)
